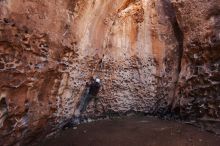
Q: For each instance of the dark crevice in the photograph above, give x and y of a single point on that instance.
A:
(3, 103)
(169, 11)
(3, 111)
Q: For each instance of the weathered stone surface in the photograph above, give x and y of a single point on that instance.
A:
(49, 50)
(198, 89)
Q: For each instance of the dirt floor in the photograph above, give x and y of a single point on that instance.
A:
(138, 131)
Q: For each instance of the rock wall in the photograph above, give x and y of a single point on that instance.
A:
(141, 50)
(198, 90)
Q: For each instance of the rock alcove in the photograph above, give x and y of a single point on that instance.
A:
(154, 57)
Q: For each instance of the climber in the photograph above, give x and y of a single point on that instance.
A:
(94, 87)
(93, 90)
(90, 92)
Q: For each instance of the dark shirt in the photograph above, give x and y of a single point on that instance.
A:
(94, 88)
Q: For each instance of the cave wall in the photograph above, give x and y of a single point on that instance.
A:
(140, 50)
(198, 89)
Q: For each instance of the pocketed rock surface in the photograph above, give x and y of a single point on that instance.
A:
(152, 56)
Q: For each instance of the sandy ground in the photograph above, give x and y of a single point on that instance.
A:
(133, 131)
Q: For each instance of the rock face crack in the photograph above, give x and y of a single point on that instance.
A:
(171, 13)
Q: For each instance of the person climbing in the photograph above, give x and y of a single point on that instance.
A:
(93, 91)
(90, 92)
(94, 87)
